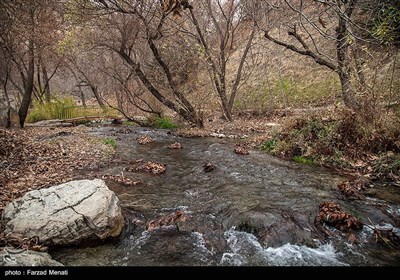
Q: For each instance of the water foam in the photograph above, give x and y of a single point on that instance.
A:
(245, 249)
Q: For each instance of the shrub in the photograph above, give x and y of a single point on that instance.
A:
(164, 123)
(268, 145)
(303, 160)
(111, 142)
(52, 110)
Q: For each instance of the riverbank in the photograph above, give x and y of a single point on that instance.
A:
(38, 157)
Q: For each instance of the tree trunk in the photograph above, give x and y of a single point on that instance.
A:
(343, 70)
(82, 95)
(27, 98)
(190, 116)
(7, 98)
(240, 68)
(97, 95)
(46, 81)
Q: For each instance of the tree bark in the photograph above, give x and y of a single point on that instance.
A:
(343, 69)
(96, 95)
(46, 81)
(27, 97)
(7, 97)
(240, 68)
(190, 116)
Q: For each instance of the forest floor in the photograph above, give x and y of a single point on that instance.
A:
(38, 157)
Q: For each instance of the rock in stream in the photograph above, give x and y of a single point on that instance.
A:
(66, 214)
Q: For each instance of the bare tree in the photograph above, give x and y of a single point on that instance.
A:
(312, 26)
(230, 25)
(135, 31)
(129, 92)
(24, 44)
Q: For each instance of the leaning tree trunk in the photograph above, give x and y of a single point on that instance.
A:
(97, 96)
(188, 115)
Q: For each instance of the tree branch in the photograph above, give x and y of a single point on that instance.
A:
(305, 52)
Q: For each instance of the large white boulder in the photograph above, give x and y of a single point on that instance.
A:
(66, 214)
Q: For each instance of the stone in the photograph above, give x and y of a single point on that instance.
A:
(66, 214)
(50, 123)
(14, 118)
(12, 257)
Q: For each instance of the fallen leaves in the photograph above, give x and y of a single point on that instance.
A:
(241, 150)
(167, 220)
(32, 159)
(19, 242)
(146, 166)
(352, 190)
(144, 140)
(121, 179)
(332, 214)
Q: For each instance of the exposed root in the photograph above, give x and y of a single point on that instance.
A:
(385, 236)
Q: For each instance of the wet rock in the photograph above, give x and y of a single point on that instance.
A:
(176, 146)
(208, 167)
(117, 121)
(51, 123)
(13, 257)
(66, 214)
(218, 135)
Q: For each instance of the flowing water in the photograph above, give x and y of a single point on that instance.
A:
(253, 210)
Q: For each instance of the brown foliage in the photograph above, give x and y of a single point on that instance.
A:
(241, 150)
(122, 180)
(167, 220)
(352, 190)
(17, 241)
(175, 6)
(32, 158)
(332, 214)
(148, 166)
(144, 140)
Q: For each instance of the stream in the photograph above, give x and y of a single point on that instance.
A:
(253, 210)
